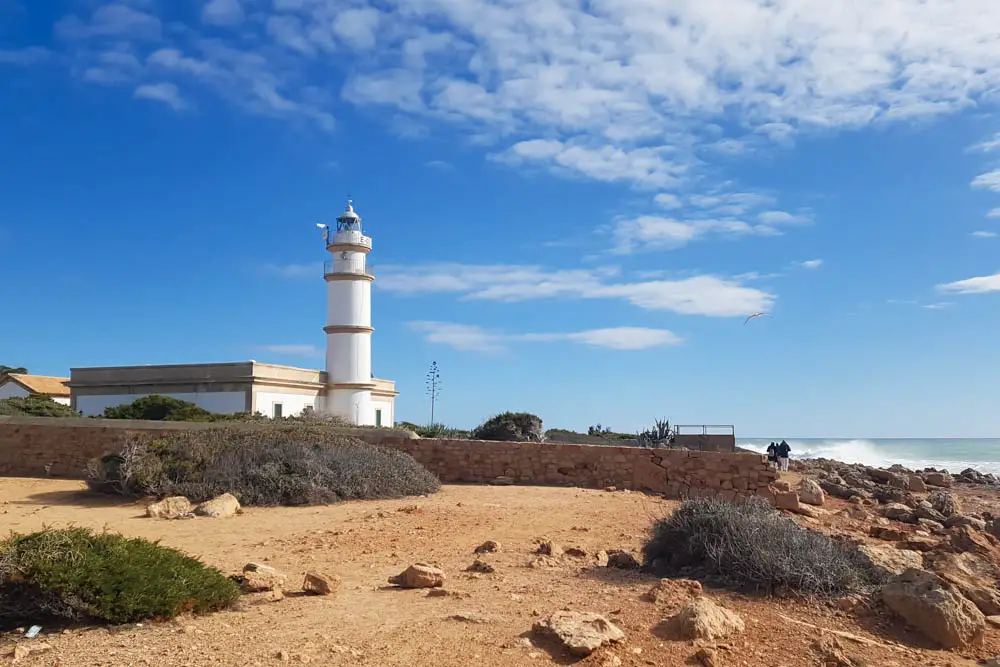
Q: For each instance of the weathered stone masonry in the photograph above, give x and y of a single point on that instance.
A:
(62, 448)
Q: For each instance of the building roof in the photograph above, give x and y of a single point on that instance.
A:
(41, 384)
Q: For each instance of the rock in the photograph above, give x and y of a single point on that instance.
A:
(945, 503)
(781, 486)
(930, 514)
(674, 590)
(257, 577)
(964, 520)
(933, 527)
(935, 608)
(548, 548)
(622, 560)
(611, 661)
(221, 506)
(707, 657)
(941, 479)
(502, 480)
(892, 561)
(174, 507)
(916, 484)
(972, 576)
(899, 512)
(320, 584)
(899, 482)
(888, 534)
(703, 619)
(581, 632)
(832, 653)
(917, 543)
(481, 566)
(575, 552)
(810, 511)
(470, 617)
(836, 490)
(487, 547)
(993, 621)
(419, 575)
(878, 475)
(811, 493)
(858, 514)
(786, 500)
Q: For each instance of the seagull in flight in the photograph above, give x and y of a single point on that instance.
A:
(752, 316)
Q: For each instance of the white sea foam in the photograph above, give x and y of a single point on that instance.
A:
(871, 453)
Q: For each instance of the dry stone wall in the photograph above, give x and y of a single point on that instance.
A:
(38, 447)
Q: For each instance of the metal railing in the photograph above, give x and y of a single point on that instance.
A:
(348, 267)
(705, 429)
(349, 237)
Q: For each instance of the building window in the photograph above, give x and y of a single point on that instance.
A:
(378, 417)
(277, 410)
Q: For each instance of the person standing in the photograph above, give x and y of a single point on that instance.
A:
(783, 450)
(772, 454)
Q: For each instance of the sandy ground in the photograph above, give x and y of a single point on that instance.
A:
(367, 623)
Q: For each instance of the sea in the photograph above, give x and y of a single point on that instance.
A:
(952, 454)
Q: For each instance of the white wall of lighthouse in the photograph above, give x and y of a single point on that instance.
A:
(348, 322)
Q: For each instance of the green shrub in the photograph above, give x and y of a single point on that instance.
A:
(750, 545)
(296, 464)
(35, 406)
(158, 408)
(511, 427)
(434, 430)
(73, 575)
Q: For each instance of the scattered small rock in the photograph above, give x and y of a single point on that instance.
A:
(934, 607)
(174, 507)
(707, 657)
(481, 566)
(487, 547)
(548, 548)
(320, 584)
(941, 479)
(703, 619)
(581, 632)
(503, 480)
(622, 560)
(469, 617)
(257, 577)
(811, 493)
(222, 506)
(419, 575)
(674, 590)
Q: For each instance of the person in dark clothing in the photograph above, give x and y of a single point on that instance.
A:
(772, 454)
(782, 451)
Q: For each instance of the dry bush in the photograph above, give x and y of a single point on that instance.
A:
(749, 545)
(263, 465)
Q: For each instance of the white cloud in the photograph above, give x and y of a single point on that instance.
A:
(357, 27)
(711, 296)
(667, 200)
(988, 145)
(31, 55)
(477, 339)
(295, 350)
(937, 306)
(223, 12)
(650, 232)
(980, 234)
(440, 165)
(167, 93)
(811, 264)
(116, 20)
(978, 285)
(780, 218)
(994, 213)
(989, 181)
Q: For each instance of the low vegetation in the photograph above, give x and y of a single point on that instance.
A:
(511, 427)
(74, 575)
(434, 430)
(159, 408)
(297, 464)
(35, 406)
(750, 545)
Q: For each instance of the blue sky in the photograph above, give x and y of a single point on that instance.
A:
(574, 205)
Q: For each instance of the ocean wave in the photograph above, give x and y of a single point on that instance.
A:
(869, 453)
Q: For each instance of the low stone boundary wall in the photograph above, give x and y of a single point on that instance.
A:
(39, 447)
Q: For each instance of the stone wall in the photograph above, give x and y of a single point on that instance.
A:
(37, 447)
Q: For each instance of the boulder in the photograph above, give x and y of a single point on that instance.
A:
(941, 479)
(880, 476)
(899, 512)
(674, 590)
(917, 543)
(703, 619)
(320, 584)
(890, 560)
(220, 506)
(174, 507)
(781, 486)
(972, 575)
(419, 575)
(899, 482)
(811, 493)
(580, 632)
(931, 526)
(487, 547)
(929, 513)
(888, 534)
(257, 577)
(837, 490)
(965, 520)
(548, 548)
(481, 567)
(935, 608)
(622, 560)
(786, 500)
(945, 503)
(915, 483)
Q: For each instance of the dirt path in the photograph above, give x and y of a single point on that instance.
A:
(367, 624)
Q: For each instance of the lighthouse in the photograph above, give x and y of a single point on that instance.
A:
(348, 321)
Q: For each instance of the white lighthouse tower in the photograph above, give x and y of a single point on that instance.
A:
(348, 321)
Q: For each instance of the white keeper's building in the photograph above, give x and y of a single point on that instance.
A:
(346, 388)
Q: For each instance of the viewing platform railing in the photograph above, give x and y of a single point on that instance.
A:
(349, 238)
(347, 268)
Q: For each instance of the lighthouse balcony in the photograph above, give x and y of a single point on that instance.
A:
(340, 270)
(349, 238)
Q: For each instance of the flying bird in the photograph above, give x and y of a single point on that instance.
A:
(752, 316)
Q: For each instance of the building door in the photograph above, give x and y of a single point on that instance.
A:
(378, 417)
(277, 410)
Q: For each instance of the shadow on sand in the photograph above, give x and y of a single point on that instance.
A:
(77, 498)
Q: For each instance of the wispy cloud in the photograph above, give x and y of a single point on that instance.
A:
(707, 295)
(293, 350)
(810, 264)
(983, 234)
(987, 146)
(781, 218)
(477, 339)
(167, 93)
(941, 305)
(994, 213)
(978, 285)
(223, 12)
(294, 270)
(28, 56)
(988, 181)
